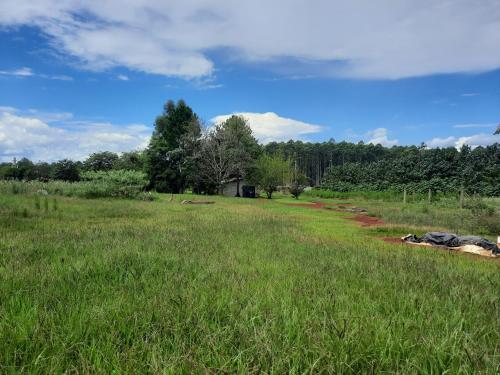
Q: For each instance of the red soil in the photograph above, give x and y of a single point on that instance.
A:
(393, 240)
(362, 220)
(309, 205)
(367, 221)
(319, 205)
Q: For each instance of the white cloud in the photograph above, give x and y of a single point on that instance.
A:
(470, 94)
(475, 140)
(45, 136)
(7, 109)
(28, 72)
(269, 127)
(358, 38)
(60, 77)
(465, 126)
(21, 72)
(49, 117)
(442, 142)
(380, 136)
(122, 77)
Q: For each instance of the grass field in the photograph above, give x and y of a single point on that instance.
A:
(240, 286)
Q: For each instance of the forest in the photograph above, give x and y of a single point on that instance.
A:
(345, 166)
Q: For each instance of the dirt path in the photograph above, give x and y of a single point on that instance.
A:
(308, 205)
(327, 206)
(362, 220)
(367, 221)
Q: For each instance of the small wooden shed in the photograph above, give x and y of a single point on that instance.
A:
(246, 190)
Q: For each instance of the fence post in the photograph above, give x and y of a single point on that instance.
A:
(404, 196)
(462, 197)
(429, 196)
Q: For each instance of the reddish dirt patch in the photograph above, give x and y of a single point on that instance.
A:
(367, 221)
(320, 205)
(308, 205)
(392, 240)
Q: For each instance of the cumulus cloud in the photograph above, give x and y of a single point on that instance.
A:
(380, 136)
(442, 142)
(49, 137)
(362, 39)
(122, 77)
(475, 140)
(269, 127)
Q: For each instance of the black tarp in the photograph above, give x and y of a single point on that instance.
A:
(452, 240)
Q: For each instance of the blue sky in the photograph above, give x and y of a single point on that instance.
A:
(84, 77)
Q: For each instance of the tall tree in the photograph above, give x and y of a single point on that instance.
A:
(41, 171)
(242, 147)
(66, 170)
(171, 149)
(214, 160)
(228, 151)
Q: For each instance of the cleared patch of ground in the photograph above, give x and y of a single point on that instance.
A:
(367, 221)
(308, 205)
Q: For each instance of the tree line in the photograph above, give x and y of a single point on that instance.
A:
(183, 155)
(345, 166)
(69, 170)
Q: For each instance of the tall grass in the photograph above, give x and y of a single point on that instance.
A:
(479, 216)
(115, 184)
(241, 286)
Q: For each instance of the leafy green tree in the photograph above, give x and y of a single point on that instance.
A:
(41, 171)
(7, 171)
(272, 171)
(169, 157)
(18, 170)
(130, 161)
(298, 182)
(227, 151)
(24, 168)
(100, 161)
(242, 147)
(66, 170)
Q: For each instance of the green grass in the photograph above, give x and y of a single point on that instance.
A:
(115, 184)
(422, 217)
(241, 286)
